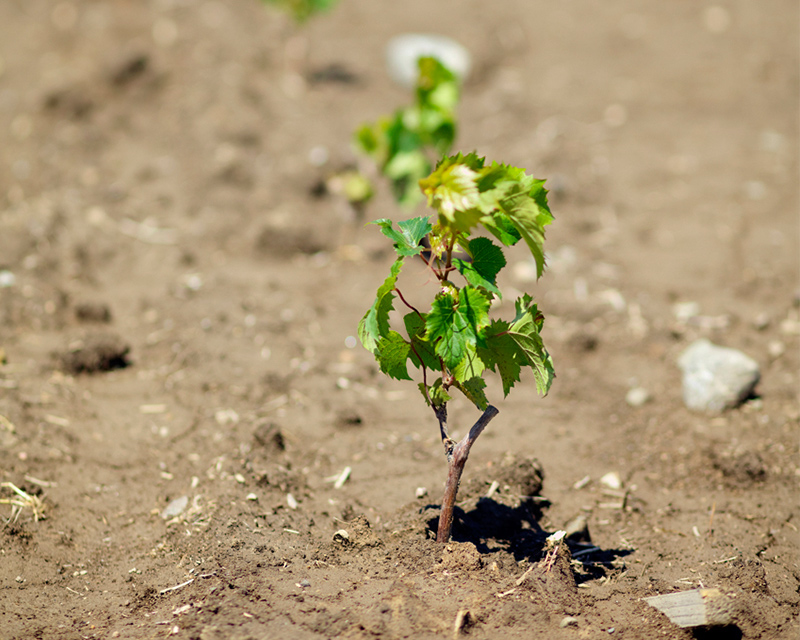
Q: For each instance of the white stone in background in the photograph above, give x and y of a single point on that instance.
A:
(404, 51)
(7, 279)
(685, 311)
(175, 508)
(716, 378)
(611, 480)
(637, 396)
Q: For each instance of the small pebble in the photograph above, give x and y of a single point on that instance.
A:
(776, 348)
(637, 396)
(421, 492)
(611, 480)
(341, 536)
(761, 321)
(716, 378)
(7, 279)
(580, 484)
(578, 529)
(685, 311)
(175, 508)
(568, 621)
(225, 417)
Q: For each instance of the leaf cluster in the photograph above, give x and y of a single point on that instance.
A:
(456, 342)
(401, 144)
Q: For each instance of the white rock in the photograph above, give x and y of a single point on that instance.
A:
(716, 378)
(403, 53)
(684, 311)
(611, 480)
(7, 279)
(175, 508)
(637, 396)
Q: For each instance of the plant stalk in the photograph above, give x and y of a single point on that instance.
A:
(457, 457)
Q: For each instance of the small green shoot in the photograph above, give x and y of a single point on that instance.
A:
(405, 144)
(457, 341)
(302, 10)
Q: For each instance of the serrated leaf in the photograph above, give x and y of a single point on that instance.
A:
(502, 354)
(407, 240)
(526, 207)
(525, 333)
(446, 329)
(473, 389)
(471, 365)
(436, 394)
(375, 323)
(415, 327)
(487, 261)
(452, 188)
(393, 352)
(456, 321)
(456, 191)
(501, 227)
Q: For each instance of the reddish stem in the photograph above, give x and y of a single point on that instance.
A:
(457, 457)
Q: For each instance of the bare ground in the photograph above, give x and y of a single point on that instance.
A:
(177, 299)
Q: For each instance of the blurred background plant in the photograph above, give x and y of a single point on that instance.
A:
(302, 10)
(406, 144)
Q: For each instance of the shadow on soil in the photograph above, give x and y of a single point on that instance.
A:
(493, 526)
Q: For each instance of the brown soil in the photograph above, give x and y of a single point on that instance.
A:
(180, 293)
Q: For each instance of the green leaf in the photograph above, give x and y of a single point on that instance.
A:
(407, 240)
(501, 227)
(436, 392)
(393, 353)
(446, 329)
(512, 346)
(455, 322)
(415, 326)
(473, 389)
(526, 207)
(487, 261)
(452, 190)
(501, 352)
(437, 86)
(375, 323)
(367, 138)
(524, 330)
(471, 366)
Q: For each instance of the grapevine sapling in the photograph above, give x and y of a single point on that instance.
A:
(302, 10)
(404, 144)
(457, 341)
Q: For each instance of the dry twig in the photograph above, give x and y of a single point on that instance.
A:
(21, 501)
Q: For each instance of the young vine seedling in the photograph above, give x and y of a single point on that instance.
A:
(456, 342)
(302, 10)
(402, 144)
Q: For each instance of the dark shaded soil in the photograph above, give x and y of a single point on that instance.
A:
(178, 390)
